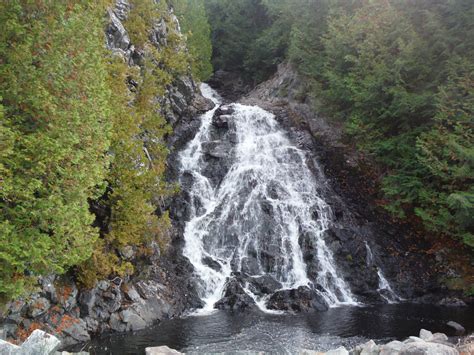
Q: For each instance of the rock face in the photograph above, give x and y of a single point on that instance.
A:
(163, 289)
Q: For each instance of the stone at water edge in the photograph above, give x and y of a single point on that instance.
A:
(427, 348)
(7, 348)
(161, 350)
(40, 342)
(426, 335)
(369, 348)
(392, 348)
(339, 351)
(458, 328)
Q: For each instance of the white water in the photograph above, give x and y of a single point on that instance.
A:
(385, 290)
(231, 225)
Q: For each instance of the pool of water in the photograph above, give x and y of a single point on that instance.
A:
(224, 332)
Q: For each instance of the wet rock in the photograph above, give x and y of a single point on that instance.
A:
(235, 298)
(221, 121)
(201, 104)
(224, 110)
(38, 307)
(250, 265)
(116, 323)
(40, 342)
(264, 284)
(217, 149)
(161, 350)
(452, 302)
(132, 320)
(302, 299)
(458, 328)
(211, 263)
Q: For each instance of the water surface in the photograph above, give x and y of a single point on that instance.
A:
(224, 332)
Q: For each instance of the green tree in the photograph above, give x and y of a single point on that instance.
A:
(194, 22)
(53, 80)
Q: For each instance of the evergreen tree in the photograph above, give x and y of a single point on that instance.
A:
(56, 107)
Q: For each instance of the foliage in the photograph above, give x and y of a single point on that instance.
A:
(193, 20)
(138, 151)
(235, 27)
(81, 131)
(55, 133)
(397, 73)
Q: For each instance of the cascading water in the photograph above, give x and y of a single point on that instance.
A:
(385, 290)
(252, 221)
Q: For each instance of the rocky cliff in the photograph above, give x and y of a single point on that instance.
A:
(159, 289)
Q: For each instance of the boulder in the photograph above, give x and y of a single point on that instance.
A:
(339, 351)
(427, 348)
(302, 299)
(264, 285)
(392, 348)
(440, 338)
(161, 350)
(132, 320)
(217, 149)
(40, 342)
(369, 348)
(213, 264)
(235, 298)
(426, 335)
(458, 328)
(452, 302)
(77, 330)
(7, 348)
(224, 110)
(201, 104)
(221, 121)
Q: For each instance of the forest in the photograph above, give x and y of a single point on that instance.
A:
(399, 74)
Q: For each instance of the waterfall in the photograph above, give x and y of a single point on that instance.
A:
(384, 289)
(253, 222)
